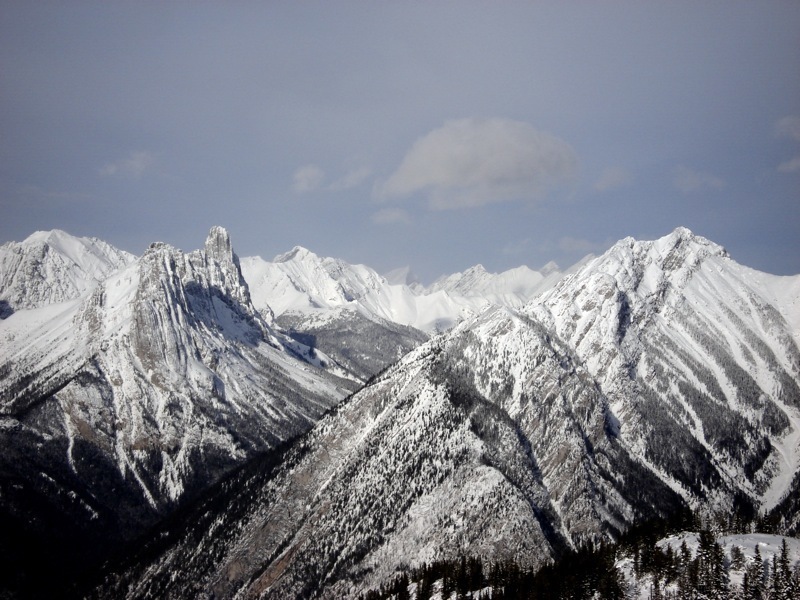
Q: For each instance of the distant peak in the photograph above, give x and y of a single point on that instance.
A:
(671, 250)
(43, 236)
(551, 267)
(478, 269)
(296, 253)
(684, 236)
(682, 232)
(401, 276)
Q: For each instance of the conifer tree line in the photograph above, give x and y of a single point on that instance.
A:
(659, 572)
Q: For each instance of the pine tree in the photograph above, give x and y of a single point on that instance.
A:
(776, 587)
(402, 588)
(686, 573)
(783, 572)
(746, 594)
(755, 577)
(737, 558)
(655, 592)
(718, 572)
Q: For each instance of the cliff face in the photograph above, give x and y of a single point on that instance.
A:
(659, 375)
(118, 405)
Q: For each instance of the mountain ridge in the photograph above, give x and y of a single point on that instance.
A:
(118, 406)
(300, 281)
(614, 398)
(50, 267)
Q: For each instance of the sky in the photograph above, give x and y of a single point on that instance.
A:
(435, 135)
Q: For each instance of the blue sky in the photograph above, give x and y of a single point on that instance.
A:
(431, 134)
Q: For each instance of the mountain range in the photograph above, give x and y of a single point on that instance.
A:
(556, 409)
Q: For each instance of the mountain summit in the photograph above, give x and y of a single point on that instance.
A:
(656, 377)
(120, 404)
(50, 267)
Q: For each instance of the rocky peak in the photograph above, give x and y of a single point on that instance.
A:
(218, 246)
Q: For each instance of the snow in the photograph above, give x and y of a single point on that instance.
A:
(53, 267)
(788, 452)
(176, 358)
(768, 546)
(300, 281)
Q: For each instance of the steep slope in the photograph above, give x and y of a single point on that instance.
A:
(117, 406)
(50, 267)
(357, 341)
(688, 345)
(418, 466)
(658, 375)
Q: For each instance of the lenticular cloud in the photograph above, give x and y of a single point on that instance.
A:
(472, 162)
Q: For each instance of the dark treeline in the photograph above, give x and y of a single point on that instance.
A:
(591, 572)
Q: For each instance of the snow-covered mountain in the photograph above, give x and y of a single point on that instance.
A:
(405, 276)
(302, 283)
(119, 404)
(349, 312)
(364, 321)
(685, 342)
(660, 375)
(359, 342)
(50, 267)
(511, 288)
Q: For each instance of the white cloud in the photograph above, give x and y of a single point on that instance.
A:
(612, 178)
(133, 166)
(352, 180)
(388, 216)
(790, 166)
(788, 127)
(688, 180)
(307, 179)
(473, 162)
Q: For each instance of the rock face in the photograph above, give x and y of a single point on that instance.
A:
(360, 343)
(118, 405)
(659, 375)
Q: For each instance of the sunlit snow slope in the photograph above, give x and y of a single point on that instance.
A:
(302, 283)
(51, 267)
(118, 404)
(660, 374)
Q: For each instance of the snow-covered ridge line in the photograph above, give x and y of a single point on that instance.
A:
(299, 281)
(158, 378)
(50, 267)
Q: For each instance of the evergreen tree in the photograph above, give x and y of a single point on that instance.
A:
(402, 588)
(737, 558)
(782, 575)
(655, 592)
(755, 577)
